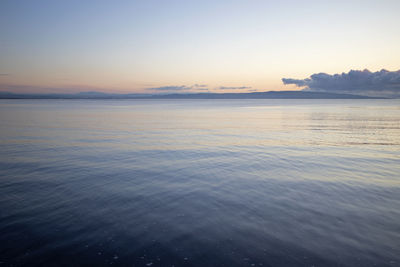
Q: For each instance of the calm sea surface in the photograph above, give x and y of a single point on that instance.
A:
(200, 182)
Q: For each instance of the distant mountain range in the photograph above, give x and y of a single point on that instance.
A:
(254, 95)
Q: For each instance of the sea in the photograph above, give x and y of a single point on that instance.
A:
(244, 182)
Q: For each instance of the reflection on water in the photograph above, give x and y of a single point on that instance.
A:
(200, 182)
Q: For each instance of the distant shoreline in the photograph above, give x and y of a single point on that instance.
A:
(254, 95)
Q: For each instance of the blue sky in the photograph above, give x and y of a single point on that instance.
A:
(138, 46)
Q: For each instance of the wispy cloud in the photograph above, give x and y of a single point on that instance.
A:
(233, 87)
(380, 83)
(4, 74)
(180, 88)
(170, 88)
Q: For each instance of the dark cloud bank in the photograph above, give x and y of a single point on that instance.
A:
(380, 83)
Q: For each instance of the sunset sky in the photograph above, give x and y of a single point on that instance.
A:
(190, 46)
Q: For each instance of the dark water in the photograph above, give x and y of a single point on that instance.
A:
(200, 183)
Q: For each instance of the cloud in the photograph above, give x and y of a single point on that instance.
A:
(200, 85)
(4, 74)
(170, 88)
(380, 83)
(179, 88)
(233, 87)
(299, 83)
(194, 88)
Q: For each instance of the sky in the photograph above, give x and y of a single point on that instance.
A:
(190, 46)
